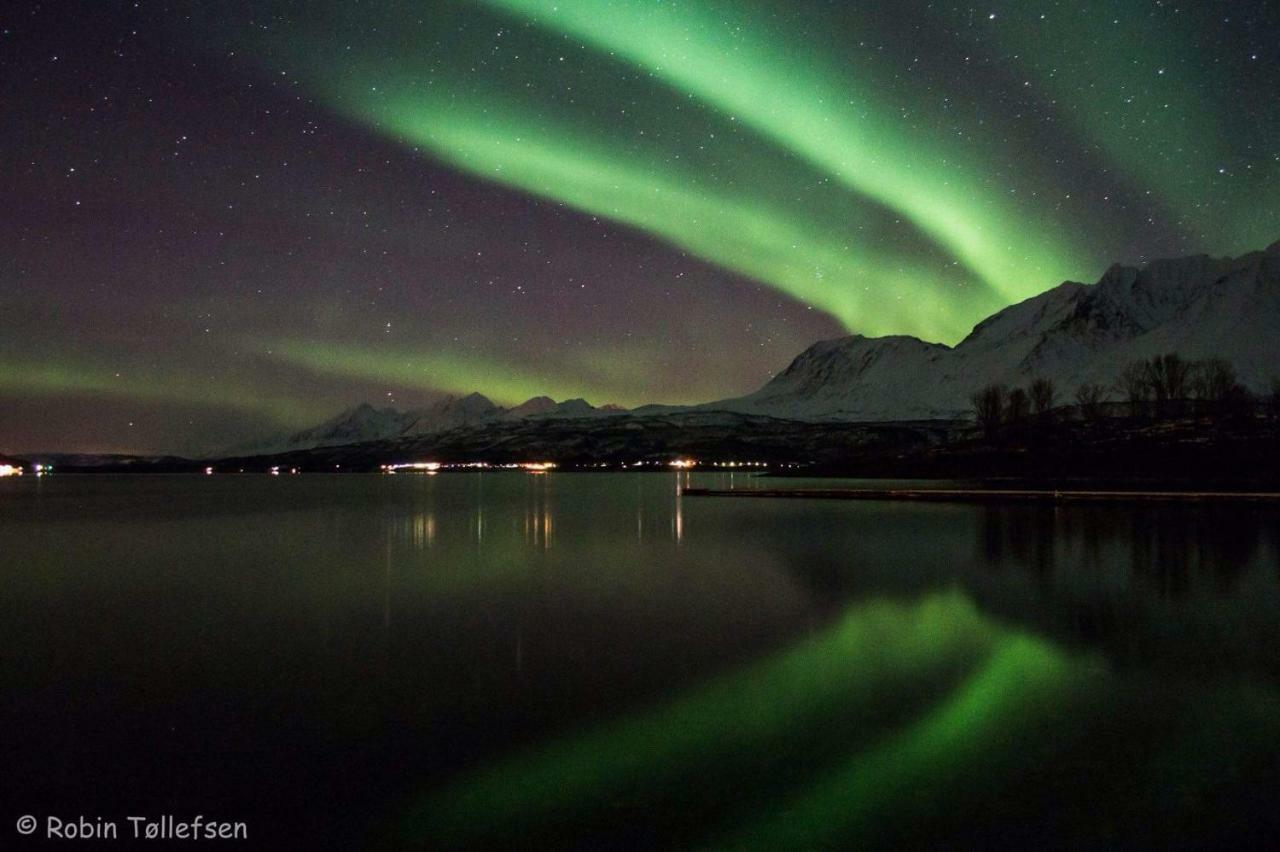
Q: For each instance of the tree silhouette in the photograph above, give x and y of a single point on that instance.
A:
(1043, 394)
(1089, 398)
(1213, 380)
(988, 408)
(1169, 378)
(1017, 405)
(1215, 384)
(1134, 385)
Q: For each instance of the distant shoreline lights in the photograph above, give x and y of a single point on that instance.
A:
(435, 467)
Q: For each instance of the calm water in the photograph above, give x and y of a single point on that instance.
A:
(591, 661)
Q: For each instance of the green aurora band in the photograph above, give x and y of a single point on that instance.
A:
(78, 379)
(791, 97)
(786, 143)
(1158, 78)
(737, 234)
(452, 373)
(764, 162)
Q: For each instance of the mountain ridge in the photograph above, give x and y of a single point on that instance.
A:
(364, 422)
(1199, 306)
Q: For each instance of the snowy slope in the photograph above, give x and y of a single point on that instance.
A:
(364, 422)
(1200, 307)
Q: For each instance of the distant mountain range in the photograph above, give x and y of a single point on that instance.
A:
(365, 423)
(1200, 307)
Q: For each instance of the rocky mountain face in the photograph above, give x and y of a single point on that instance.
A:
(1199, 307)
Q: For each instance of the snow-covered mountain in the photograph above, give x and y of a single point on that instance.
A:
(530, 408)
(450, 413)
(364, 422)
(545, 406)
(1199, 307)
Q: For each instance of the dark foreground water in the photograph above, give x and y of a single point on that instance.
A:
(592, 661)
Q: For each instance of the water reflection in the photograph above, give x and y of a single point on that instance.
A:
(422, 530)
(1164, 587)
(895, 724)
(598, 660)
(1171, 550)
(503, 517)
(539, 514)
(841, 692)
(677, 519)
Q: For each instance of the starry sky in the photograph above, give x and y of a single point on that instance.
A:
(225, 220)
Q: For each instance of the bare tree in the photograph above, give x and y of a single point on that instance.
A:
(1135, 386)
(1089, 398)
(1017, 406)
(1214, 380)
(1043, 394)
(1169, 377)
(988, 408)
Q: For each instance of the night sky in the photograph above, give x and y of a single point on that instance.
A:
(223, 220)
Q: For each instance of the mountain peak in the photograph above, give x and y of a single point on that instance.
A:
(1074, 333)
(1118, 273)
(1198, 306)
(363, 412)
(530, 407)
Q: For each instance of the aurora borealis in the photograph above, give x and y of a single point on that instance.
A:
(231, 220)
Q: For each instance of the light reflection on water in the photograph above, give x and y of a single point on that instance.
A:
(537, 521)
(501, 658)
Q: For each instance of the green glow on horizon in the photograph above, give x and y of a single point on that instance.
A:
(45, 379)
(454, 373)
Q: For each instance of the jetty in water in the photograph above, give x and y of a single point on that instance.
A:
(992, 495)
